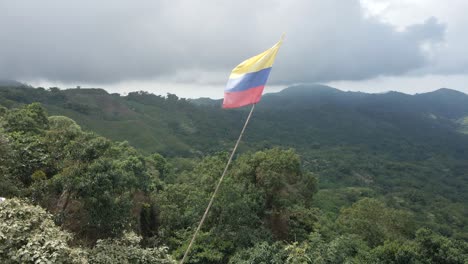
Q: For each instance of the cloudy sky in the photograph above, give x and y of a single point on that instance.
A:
(188, 47)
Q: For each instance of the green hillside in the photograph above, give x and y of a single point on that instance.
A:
(298, 116)
(343, 177)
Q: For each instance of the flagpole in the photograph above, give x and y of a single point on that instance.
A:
(217, 187)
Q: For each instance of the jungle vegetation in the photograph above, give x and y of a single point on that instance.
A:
(323, 176)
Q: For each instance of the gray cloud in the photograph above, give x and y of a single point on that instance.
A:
(181, 40)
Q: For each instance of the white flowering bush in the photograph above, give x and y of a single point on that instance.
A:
(29, 235)
(127, 250)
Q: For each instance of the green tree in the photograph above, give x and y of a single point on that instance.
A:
(149, 221)
(62, 132)
(160, 164)
(286, 189)
(28, 154)
(397, 251)
(23, 130)
(428, 247)
(375, 222)
(102, 179)
(30, 118)
(247, 201)
(316, 250)
(261, 253)
(434, 248)
(9, 184)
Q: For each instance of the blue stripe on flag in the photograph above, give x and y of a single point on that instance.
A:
(247, 81)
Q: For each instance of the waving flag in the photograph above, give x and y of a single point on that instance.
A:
(245, 86)
(247, 80)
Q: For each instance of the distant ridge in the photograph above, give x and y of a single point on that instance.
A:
(444, 91)
(443, 102)
(314, 88)
(320, 88)
(10, 83)
(206, 101)
(297, 116)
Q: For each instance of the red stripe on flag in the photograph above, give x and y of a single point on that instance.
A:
(242, 98)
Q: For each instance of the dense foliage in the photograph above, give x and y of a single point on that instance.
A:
(366, 192)
(28, 235)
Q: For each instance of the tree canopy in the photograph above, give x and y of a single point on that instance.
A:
(73, 196)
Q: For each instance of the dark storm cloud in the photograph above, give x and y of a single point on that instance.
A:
(111, 41)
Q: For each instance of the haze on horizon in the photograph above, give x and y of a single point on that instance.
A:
(188, 48)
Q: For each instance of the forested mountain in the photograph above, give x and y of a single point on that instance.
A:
(322, 176)
(297, 116)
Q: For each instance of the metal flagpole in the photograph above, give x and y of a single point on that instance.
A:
(217, 187)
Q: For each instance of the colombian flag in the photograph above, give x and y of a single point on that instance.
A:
(247, 80)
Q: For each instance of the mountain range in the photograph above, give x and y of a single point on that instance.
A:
(408, 150)
(297, 116)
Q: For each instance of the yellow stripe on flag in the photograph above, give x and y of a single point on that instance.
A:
(261, 61)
